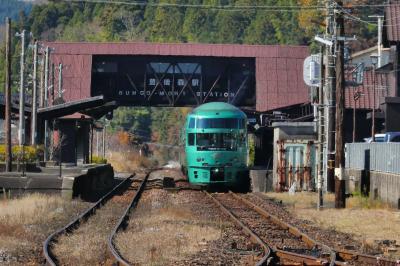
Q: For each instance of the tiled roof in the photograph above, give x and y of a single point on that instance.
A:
(392, 21)
(384, 84)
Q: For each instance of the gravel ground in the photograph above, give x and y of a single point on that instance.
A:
(330, 238)
(183, 228)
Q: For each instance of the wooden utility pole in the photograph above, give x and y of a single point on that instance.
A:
(340, 189)
(331, 97)
(34, 96)
(8, 96)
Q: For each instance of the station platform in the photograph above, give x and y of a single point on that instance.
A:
(85, 181)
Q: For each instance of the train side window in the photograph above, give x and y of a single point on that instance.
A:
(191, 122)
(191, 139)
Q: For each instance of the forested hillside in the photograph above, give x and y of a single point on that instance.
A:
(86, 21)
(11, 8)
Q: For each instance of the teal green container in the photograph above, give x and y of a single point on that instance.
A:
(216, 145)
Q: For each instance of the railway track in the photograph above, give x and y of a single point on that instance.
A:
(283, 244)
(123, 221)
(342, 257)
(145, 184)
(337, 257)
(138, 185)
(50, 257)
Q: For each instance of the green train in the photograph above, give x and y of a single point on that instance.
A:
(216, 146)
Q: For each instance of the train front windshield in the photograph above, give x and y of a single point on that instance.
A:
(216, 141)
(231, 123)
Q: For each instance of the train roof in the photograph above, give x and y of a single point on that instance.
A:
(222, 108)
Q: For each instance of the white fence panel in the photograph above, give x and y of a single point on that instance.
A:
(381, 157)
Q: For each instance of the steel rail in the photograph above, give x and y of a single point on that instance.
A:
(310, 242)
(253, 236)
(341, 257)
(122, 223)
(363, 259)
(298, 258)
(51, 239)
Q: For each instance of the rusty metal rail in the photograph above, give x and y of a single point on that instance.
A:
(271, 253)
(123, 222)
(253, 236)
(342, 257)
(291, 229)
(346, 257)
(51, 239)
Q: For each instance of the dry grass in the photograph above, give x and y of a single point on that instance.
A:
(129, 161)
(25, 223)
(87, 245)
(368, 220)
(163, 233)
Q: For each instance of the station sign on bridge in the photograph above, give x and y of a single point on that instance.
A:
(259, 77)
(174, 81)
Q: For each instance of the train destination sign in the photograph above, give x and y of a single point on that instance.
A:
(174, 81)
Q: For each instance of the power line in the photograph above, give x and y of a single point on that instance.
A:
(278, 8)
(219, 7)
(237, 7)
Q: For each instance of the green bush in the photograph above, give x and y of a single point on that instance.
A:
(99, 160)
(29, 153)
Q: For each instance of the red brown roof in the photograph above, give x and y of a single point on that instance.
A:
(279, 69)
(392, 21)
(384, 84)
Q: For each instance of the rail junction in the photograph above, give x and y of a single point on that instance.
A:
(278, 242)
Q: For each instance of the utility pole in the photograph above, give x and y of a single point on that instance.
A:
(379, 38)
(321, 132)
(340, 188)
(21, 127)
(331, 98)
(51, 88)
(60, 69)
(34, 96)
(104, 139)
(7, 88)
(97, 143)
(42, 63)
(45, 103)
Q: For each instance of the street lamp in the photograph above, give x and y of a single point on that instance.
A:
(374, 60)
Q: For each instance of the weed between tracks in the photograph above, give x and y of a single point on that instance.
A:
(87, 245)
(26, 222)
(163, 231)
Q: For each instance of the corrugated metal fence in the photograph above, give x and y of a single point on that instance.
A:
(382, 157)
